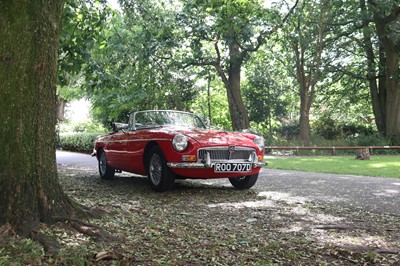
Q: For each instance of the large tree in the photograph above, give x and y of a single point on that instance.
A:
(383, 62)
(30, 192)
(222, 34)
(306, 39)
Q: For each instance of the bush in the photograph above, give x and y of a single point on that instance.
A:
(85, 126)
(289, 131)
(79, 142)
(370, 140)
(327, 128)
(331, 129)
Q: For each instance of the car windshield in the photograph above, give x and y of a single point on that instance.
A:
(146, 119)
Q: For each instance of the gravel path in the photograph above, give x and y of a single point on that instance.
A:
(375, 194)
(288, 218)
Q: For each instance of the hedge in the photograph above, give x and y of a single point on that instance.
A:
(78, 142)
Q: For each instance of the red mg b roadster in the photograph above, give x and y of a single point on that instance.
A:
(166, 145)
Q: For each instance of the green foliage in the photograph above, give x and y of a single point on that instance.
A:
(78, 142)
(222, 35)
(318, 141)
(134, 70)
(327, 128)
(371, 140)
(16, 251)
(82, 22)
(77, 255)
(153, 55)
(289, 130)
(85, 126)
(219, 116)
(82, 28)
(204, 22)
(331, 129)
(23, 251)
(267, 95)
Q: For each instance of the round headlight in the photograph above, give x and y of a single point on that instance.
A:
(259, 141)
(180, 142)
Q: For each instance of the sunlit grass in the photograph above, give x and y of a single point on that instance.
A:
(386, 166)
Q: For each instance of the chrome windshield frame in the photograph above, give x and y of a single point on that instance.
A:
(133, 124)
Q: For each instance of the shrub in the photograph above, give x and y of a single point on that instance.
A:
(327, 128)
(85, 126)
(331, 129)
(79, 142)
(370, 140)
(289, 131)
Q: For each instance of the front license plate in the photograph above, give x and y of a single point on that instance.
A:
(232, 167)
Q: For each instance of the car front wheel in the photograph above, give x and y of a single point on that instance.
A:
(106, 172)
(160, 176)
(244, 182)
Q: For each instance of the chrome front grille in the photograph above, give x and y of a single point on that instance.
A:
(224, 153)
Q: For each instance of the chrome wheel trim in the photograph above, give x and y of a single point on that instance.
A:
(155, 172)
(103, 164)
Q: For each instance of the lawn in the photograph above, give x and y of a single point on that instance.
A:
(387, 166)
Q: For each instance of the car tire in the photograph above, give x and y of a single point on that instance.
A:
(160, 176)
(106, 172)
(244, 182)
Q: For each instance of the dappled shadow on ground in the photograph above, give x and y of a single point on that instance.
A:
(210, 223)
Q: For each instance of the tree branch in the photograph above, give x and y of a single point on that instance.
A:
(395, 13)
(264, 34)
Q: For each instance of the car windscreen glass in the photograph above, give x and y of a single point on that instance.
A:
(148, 119)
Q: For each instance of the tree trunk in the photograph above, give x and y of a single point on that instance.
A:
(304, 126)
(61, 103)
(378, 93)
(392, 83)
(238, 112)
(308, 72)
(393, 95)
(30, 192)
(389, 69)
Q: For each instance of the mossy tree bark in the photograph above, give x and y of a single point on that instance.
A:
(30, 192)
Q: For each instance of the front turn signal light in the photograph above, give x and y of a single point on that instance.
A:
(189, 158)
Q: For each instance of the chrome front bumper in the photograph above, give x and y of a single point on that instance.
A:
(205, 165)
(208, 163)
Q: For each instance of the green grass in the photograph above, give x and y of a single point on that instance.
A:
(386, 166)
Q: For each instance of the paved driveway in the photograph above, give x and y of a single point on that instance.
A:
(76, 159)
(375, 194)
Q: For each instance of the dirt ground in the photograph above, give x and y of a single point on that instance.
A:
(200, 224)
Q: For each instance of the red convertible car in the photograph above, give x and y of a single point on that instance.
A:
(166, 145)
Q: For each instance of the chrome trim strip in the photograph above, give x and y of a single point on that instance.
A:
(227, 146)
(136, 140)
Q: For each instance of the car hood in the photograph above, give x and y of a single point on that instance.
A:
(218, 138)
